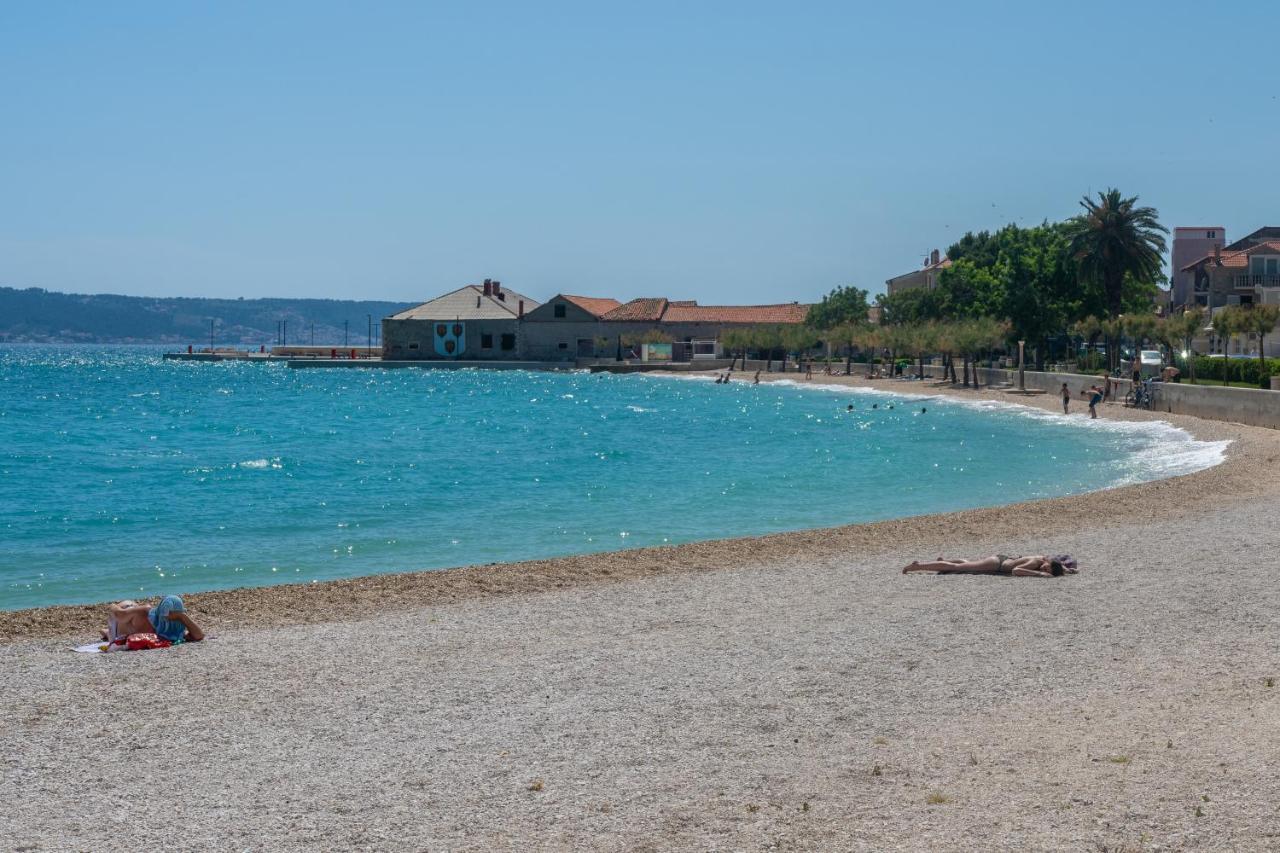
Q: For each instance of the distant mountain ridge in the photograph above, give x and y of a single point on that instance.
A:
(34, 315)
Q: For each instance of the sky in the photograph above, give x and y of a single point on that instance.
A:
(726, 152)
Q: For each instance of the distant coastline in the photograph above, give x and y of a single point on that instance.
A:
(46, 317)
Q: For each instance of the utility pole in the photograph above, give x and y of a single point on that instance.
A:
(286, 333)
(345, 324)
(313, 332)
(369, 343)
(211, 335)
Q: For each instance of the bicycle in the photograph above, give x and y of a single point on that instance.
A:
(1139, 395)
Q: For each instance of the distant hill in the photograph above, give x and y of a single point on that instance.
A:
(40, 316)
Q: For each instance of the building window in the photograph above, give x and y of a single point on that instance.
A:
(559, 310)
(486, 341)
(413, 346)
(508, 342)
(1209, 235)
(563, 345)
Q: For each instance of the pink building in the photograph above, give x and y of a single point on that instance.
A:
(1189, 246)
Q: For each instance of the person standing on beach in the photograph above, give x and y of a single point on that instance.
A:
(757, 379)
(1095, 395)
(1066, 398)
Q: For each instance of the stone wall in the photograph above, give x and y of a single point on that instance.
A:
(407, 340)
(1254, 407)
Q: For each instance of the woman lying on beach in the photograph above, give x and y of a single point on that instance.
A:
(1001, 564)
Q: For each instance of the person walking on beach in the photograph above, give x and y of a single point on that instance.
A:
(1095, 395)
(167, 620)
(1066, 399)
(756, 381)
(1000, 564)
(808, 369)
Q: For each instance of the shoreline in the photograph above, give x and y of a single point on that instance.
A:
(349, 599)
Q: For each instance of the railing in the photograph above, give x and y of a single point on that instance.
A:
(1257, 280)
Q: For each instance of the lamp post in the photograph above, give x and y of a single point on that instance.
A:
(211, 335)
(369, 343)
(1022, 366)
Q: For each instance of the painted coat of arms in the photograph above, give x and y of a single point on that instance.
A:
(451, 339)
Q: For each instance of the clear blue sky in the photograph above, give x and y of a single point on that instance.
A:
(728, 152)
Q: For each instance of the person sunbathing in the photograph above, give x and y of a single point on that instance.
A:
(168, 620)
(1000, 564)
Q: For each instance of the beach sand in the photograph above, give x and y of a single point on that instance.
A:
(782, 692)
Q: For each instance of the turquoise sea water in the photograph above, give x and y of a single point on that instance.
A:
(125, 475)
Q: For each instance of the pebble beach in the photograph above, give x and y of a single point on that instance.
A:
(792, 692)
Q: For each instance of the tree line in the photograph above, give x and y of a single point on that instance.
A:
(34, 314)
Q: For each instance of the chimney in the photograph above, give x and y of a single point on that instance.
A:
(497, 287)
(933, 257)
(488, 287)
(521, 314)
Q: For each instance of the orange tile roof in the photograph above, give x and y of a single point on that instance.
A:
(791, 312)
(1239, 259)
(596, 306)
(638, 311)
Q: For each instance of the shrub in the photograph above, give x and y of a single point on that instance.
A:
(1242, 369)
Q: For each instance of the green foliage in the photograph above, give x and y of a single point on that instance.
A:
(1114, 241)
(842, 305)
(916, 305)
(1241, 369)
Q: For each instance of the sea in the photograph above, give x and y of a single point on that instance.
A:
(126, 475)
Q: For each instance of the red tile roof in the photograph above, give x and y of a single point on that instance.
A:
(1239, 259)
(596, 306)
(660, 310)
(791, 312)
(638, 311)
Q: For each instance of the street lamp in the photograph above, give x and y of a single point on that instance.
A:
(1022, 366)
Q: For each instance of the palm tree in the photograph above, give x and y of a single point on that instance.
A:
(1114, 239)
(1260, 320)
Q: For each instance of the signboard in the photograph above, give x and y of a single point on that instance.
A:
(450, 338)
(655, 352)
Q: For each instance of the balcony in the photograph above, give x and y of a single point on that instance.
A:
(1247, 281)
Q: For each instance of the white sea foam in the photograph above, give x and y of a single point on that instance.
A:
(259, 464)
(1166, 450)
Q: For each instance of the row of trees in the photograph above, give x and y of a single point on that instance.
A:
(1106, 262)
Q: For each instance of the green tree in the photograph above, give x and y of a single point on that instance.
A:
(1260, 320)
(1186, 327)
(841, 305)
(1114, 239)
(916, 305)
(1227, 322)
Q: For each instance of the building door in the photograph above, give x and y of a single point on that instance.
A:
(586, 347)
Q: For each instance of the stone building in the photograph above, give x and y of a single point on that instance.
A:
(489, 322)
(566, 327)
(476, 322)
(926, 277)
(1242, 273)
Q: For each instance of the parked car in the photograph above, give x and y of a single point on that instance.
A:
(1152, 361)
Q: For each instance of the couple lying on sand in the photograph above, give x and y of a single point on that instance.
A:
(1000, 564)
(167, 620)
